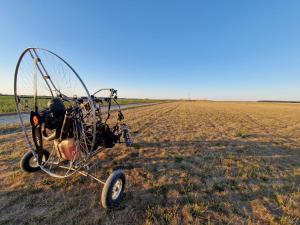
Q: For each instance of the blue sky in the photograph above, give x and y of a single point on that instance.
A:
(223, 50)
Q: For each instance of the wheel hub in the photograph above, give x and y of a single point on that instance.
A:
(117, 189)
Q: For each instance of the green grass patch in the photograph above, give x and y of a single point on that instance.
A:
(8, 105)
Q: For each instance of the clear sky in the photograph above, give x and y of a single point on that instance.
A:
(229, 50)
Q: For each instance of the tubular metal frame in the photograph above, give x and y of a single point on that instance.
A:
(41, 68)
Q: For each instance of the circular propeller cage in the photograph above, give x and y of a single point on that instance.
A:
(40, 77)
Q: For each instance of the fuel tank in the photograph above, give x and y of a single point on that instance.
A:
(66, 149)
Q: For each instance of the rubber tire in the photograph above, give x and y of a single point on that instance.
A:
(106, 197)
(127, 138)
(25, 165)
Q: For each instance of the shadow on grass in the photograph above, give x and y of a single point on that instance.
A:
(239, 172)
(206, 180)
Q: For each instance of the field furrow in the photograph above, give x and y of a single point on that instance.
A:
(192, 162)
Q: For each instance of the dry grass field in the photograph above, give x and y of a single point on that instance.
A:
(191, 163)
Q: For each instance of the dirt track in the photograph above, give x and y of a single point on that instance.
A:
(191, 163)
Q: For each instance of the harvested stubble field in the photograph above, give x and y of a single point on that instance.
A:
(192, 163)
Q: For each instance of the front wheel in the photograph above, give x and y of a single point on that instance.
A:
(113, 190)
(127, 138)
(30, 164)
(126, 135)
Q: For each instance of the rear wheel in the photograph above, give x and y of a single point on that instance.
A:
(29, 163)
(113, 190)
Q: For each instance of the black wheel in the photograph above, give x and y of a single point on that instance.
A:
(113, 190)
(127, 137)
(29, 163)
